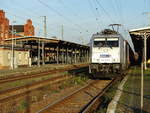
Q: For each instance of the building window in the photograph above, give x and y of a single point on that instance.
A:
(26, 56)
(19, 56)
(9, 57)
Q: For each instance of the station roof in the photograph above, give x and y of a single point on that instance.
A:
(137, 36)
(47, 41)
(140, 30)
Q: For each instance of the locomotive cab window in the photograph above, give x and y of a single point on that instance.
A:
(113, 42)
(106, 42)
(99, 42)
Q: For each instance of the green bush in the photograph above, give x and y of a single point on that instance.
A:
(24, 105)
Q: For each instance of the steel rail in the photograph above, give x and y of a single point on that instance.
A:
(65, 97)
(89, 107)
(97, 100)
(21, 90)
(21, 77)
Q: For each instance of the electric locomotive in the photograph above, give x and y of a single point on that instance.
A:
(109, 53)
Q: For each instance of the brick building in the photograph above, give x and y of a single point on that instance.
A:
(20, 30)
(29, 28)
(4, 26)
(23, 30)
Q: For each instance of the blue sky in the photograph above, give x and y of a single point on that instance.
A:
(81, 18)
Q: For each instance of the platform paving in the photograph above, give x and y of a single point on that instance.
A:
(129, 101)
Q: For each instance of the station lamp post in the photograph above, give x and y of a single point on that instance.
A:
(142, 83)
(39, 52)
(12, 44)
(144, 35)
(45, 35)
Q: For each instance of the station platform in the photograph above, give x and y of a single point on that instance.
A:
(130, 99)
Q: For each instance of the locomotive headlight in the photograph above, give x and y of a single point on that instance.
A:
(116, 60)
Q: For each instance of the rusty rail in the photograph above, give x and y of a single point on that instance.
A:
(62, 99)
(65, 101)
(96, 101)
(21, 77)
(22, 90)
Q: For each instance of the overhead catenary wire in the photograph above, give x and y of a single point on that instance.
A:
(114, 8)
(24, 18)
(31, 13)
(116, 12)
(120, 10)
(68, 8)
(110, 18)
(99, 14)
(28, 13)
(59, 14)
(94, 12)
(39, 29)
(62, 3)
(34, 20)
(20, 17)
(92, 9)
(35, 16)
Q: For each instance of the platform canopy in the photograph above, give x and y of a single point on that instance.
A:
(34, 40)
(140, 31)
(140, 38)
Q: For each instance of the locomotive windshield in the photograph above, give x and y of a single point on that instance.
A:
(113, 42)
(99, 42)
(106, 42)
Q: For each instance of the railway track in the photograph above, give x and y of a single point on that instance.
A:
(92, 106)
(21, 77)
(80, 100)
(13, 93)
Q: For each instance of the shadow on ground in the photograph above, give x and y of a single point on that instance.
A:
(134, 109)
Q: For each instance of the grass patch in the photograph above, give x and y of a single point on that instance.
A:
(55, 91)
(23, 105)
(77, 80)
(27, 81)
(137, 71)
